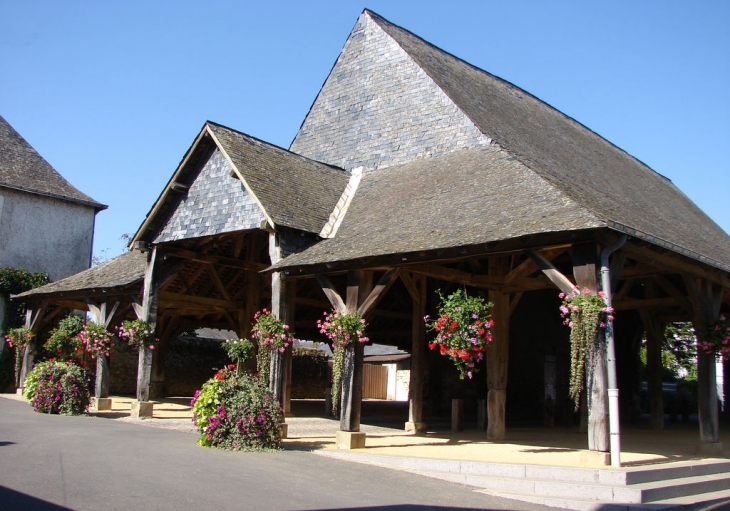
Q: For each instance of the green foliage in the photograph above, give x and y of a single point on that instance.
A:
(63, 341)
(137, 333)
(584, 312)
(341, 329)
(95, 339)
(463, 330)
(679, 353)
(12, 282)
(57, 387)
(237, 413)
(270, 334)
(18, 339)
(239, 350)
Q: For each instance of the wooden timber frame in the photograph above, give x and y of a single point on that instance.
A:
(659, 285)
(221, 281)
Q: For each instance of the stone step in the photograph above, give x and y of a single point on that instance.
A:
(574, 488)
(701, 501)
(629, 494)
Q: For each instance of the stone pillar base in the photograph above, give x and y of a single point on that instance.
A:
(350, 440)
(102, 404)
(19, 391)
(418, 428)
(710, 448)
(594, 459)
(284, 430)
(141, 409)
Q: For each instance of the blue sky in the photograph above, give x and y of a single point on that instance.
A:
(112, 94)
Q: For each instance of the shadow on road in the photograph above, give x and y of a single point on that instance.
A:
(17, 501)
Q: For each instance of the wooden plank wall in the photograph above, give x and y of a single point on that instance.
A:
(374, 382)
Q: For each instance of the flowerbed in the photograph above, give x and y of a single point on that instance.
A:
(237, 413)
(57, 387)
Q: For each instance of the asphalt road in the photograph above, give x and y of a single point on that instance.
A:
(49, 462)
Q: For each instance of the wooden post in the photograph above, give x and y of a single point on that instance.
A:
(280, 298)
(416, 285)
(497, 357)
(148, 313)
(358, 287)
(102, 314)
(289, 353)
(457, 414)
(706, 300)
(32, 323)
(654, 330)
(585, 271)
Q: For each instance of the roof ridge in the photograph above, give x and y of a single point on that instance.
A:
(380, 20)
(269, 144)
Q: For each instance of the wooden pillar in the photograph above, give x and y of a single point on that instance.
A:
(585, 271)
(32, 323)
(282, 306)
(102, 314)
(706, 300)
(416, 285)
(497, 357)
(654, 333)
(358, 287)
(148, 313)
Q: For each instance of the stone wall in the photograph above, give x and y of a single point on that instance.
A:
(45, 234)
(215, 203)
(378, 108)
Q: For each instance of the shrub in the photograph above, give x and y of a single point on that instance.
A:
(57, 387)
(237, 413)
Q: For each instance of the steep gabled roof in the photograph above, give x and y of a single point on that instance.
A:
(22, 168)
(470, 197)
(115, 274)
(294, 191)
(290, 190)
(605, 186)
(603, 178)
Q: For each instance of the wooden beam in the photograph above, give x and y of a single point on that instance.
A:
(677, 263)
(218, 283)
(646, 303)
(331, 293)
(458, 276)
(551, 272)
(672, 291)
(217, 260)
(180, 300)
(378, 291)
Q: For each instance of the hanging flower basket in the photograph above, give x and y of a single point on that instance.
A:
(717, 338)
(463, 330)
(19, 338)
(96, 339)
(137, 333)
(585, 313)
(270, 334)
(342, 330)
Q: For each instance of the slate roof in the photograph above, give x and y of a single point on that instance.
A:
(22, 168)
(449, 201)
(122, 271)
(292, 191)
(467, 197)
